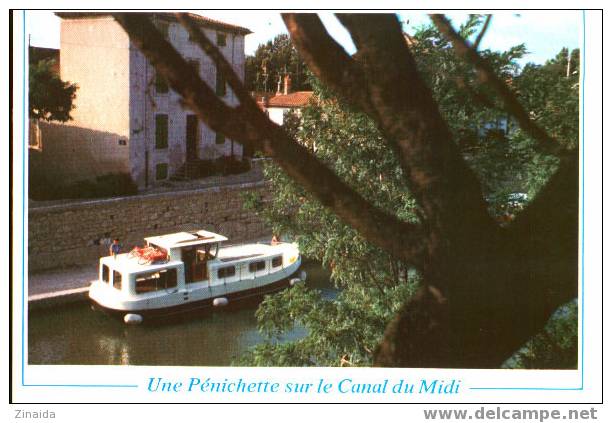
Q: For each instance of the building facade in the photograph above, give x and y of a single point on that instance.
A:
(126, 119)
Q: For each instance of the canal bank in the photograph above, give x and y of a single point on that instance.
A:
(59, 287)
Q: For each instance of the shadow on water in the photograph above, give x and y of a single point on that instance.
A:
(78, 335)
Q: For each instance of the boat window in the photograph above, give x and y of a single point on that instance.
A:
(117, 280)
(257, 265)
(155, 281)
(277, 261)
(105, 273)
(226, 272)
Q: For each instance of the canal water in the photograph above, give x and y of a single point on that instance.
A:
(77, 334)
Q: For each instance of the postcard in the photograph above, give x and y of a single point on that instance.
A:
(316, 207)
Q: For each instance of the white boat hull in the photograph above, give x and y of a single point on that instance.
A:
(195, 297)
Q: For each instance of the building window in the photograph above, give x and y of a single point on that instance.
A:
(117, 280)
(195, 64)
(161, 131)
(226, 272)
(221, 39)
(190, 37)
(161, 171)
(163, 28)
(161, 86)
(35, 135)
(220, 86)
(257, 266)
(219, 138)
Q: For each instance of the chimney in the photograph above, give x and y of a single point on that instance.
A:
(278, 86)
(287, 84)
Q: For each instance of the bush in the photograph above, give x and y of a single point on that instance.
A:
(110, 185)
(225, 165)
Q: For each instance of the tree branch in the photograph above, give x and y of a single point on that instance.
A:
(383, 81)
(328, 60)
(247, 102)
(401, 239)
(487, 75)
(482, 33)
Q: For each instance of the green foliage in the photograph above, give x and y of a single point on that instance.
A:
(342, 332)
(273, 60)
(50, 98)
(346, 330)
(111, 185)
(503, 157)
(468, 105)
(510, 161)
(373, 285)
(550, 94)
(224, 165)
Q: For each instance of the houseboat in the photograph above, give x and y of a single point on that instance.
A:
(188, 272)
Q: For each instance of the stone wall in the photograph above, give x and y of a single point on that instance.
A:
(79, 233)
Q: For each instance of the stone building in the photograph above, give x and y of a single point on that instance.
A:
(126, 119)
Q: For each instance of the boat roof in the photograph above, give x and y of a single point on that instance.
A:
(185, 239)
(254, 252)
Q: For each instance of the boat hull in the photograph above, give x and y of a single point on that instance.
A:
(201, 306)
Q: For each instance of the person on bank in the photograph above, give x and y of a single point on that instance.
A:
(115, 248)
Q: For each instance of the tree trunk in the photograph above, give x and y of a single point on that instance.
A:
(498, 293)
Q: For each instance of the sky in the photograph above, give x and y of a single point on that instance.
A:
(543, 32)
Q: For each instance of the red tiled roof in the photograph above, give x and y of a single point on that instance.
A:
(296, 99)
(202, 20)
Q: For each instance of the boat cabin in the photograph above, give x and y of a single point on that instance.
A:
(194, 249)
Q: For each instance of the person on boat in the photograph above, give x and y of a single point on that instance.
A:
(275, 240)
(115, 248)
(207, 254)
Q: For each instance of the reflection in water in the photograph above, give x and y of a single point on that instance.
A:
(79, 335)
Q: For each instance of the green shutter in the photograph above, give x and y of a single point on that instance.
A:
(221, 40)
(219, 138)
(220, 90)
(161, 86)
(161, 171)
(161, 131)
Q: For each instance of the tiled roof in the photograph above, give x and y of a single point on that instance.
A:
(296, 99)
(202, 20)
